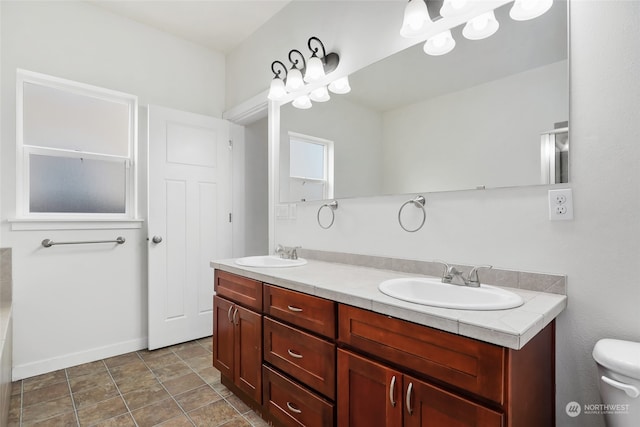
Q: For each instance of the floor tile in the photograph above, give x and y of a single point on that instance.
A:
(237, 422)
(207, 343)
(44, 394)
(156, 413)
(43, 410)
(221, 389)
(67, 419)
(199, 363)
(133, 383)
(89, 381)
(174, 370)
(86, 369)
(191, 351)
(16, 388)
(196, 398)
(91, 396)
(167, 359)
(44, 380)
(101, 411)
(255, 419)
(184, 383)
(210, 375)
(180, 421)
(213, 414)
(150, 355)
(134, 368)
(238, 404)
(124, 420)
(123, 359)
(145, 396)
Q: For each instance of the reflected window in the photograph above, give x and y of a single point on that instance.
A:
(77, 148)
(310, 167)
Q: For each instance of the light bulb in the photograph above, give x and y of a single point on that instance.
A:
(453, 8)
(315, 70)
(302, 102)
(440, 44)
(277, 91)
(481, 26)
(416, 19)
(524, 10)
(320, 94)
(294, 80)
(340, 86)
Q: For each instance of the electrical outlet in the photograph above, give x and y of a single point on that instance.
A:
(560, 205)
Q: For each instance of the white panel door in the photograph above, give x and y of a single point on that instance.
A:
(189, 225)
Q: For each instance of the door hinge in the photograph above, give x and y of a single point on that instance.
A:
(229, 216)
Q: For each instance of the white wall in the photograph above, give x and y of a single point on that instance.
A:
(496, 125)
(356, 132)
(509, 228)
(256, 188)
(79, 303)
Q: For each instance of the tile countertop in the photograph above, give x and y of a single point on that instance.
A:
(358, 286)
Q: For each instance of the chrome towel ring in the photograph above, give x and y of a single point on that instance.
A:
(419, 202)
(332, 208)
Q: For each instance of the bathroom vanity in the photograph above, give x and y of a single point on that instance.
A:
(320, 345)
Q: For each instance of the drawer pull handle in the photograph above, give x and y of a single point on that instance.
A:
(229, 314)
(392, 391)
(408, 401)
(293, 308)
(293, 408)
(235, 313)
(294, 354)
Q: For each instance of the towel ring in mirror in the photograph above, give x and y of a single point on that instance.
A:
(419, 202)
(332, 208)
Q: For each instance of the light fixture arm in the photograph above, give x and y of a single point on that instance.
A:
(276, 73)
(296, 62)
(313, 50)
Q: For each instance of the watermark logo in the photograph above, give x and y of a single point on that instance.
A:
(573, 409)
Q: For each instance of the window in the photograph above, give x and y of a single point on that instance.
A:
(310, 167)
(76, 149)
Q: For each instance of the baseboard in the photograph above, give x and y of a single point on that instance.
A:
(73, 359)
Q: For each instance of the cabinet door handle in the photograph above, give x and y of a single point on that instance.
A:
(408, 401)
(392, 391)
(294, 354)
(293, 308)
(293, 408)
(235, 312)
(229, 314)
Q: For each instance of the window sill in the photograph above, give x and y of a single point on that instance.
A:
(26, 224)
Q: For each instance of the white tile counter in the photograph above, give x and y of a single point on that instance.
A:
(358, 286)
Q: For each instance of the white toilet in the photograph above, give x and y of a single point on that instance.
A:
(619, 371)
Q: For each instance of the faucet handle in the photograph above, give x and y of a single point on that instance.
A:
(294, 252)
(473, 279)
(446, 274)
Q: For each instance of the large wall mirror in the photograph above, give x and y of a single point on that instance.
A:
(491, 113)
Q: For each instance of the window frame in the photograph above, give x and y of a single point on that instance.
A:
(329, 177)
(23, 151)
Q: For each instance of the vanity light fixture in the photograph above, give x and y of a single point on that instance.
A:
(524, 10)
(417, 19)
(294, 76)
(481, 27)
(440, 44)
(340, 86)
(315, 69)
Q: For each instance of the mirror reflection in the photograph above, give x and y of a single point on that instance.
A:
(491, 113)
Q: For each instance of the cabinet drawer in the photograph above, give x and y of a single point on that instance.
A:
(309, 359)
(289, 404)
(246, 292)
(306, 311)
(465, 363)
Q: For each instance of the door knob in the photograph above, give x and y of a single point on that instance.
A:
(156, 239)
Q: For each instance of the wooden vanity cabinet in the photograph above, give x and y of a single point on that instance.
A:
(237, 336)
(449, 379)
(371, 394)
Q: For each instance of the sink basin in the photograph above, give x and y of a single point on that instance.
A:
(269, 261)
(435, 293)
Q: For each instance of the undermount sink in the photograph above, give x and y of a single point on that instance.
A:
(435, 293)
(269, 261)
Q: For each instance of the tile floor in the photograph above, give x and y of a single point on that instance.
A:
(170, 387)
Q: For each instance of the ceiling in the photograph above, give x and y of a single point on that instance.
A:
(217, 24)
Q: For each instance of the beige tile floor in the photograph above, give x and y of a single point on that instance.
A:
(170, 387)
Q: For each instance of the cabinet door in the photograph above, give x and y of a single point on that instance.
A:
(248, 349)
(223, 336)
(369, 394)
(428, 406)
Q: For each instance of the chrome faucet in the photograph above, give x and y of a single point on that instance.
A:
(456, 277)
(287, 252)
